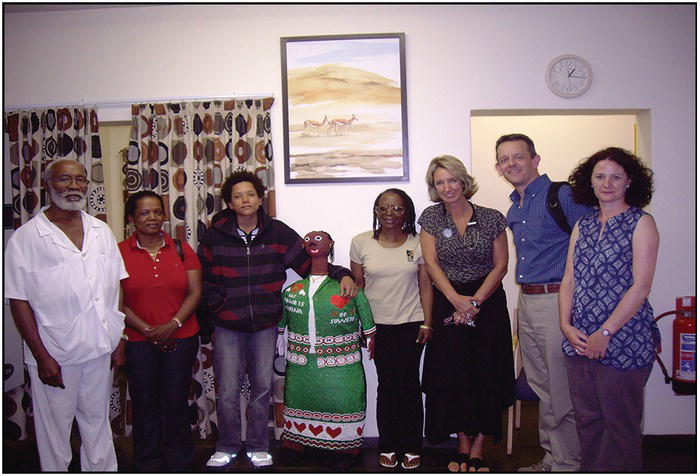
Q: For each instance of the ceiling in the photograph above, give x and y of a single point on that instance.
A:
(54, 7)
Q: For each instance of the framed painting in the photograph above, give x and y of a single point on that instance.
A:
(344, 101)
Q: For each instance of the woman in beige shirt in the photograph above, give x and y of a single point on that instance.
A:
(388, 264)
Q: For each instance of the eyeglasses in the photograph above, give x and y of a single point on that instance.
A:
(398, 210)
(66, 180)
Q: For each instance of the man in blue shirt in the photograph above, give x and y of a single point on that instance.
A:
(541, 248)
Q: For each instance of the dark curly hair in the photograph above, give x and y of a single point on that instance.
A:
(409, 216)
(641, 177)
(132, 201)
(239, 176)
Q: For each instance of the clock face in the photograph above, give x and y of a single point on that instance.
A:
(568, 76)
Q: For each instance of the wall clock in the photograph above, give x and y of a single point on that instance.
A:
(568, 76)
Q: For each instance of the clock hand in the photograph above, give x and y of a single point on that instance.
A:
(579, 77)
(572, 72)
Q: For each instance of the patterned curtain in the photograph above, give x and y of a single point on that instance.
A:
(37, 137)
(184, 152)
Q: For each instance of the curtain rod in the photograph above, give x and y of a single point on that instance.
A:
(129, 102)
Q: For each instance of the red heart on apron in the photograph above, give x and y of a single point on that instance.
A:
(315, 429)
(339, 301)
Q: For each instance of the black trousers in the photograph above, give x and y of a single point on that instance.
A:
(158, 384)
(399, 398)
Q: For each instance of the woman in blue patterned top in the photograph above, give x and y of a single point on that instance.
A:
(608, 324)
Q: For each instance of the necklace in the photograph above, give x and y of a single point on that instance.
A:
(152, 253)
(469, 240)
(392, 244)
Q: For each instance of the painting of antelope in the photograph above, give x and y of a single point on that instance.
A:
(344, 106)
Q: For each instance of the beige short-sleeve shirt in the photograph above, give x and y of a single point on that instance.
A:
(391, 278)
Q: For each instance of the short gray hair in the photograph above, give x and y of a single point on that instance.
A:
(454, 166)
(46, 176)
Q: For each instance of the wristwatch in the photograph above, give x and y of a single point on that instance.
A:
(177, 321)
(605, 331)
(475, 304)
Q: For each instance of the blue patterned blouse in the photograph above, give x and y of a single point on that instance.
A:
(602, 275)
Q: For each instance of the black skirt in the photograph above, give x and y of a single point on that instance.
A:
(468, 374)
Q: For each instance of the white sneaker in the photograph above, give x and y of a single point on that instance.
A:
(220, 459)
(260, 459)
(538, 467)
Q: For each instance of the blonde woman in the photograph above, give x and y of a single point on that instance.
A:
(468, 371)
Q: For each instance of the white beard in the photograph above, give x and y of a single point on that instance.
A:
(63, 203)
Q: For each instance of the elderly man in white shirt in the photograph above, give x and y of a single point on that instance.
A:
(62, 277)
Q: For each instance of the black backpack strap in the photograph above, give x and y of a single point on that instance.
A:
(178, 245)
(554, 207)
(206, 326)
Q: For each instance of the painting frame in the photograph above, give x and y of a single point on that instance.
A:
(363, 148)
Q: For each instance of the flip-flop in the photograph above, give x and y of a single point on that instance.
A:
(477, 465)
(456, 463)
(409, 459)
(391, 457)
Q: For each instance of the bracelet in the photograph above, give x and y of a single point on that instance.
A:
(426, 327)
(179, 324)
(475, 304)
(125, 337)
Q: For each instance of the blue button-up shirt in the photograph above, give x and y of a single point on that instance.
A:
(540, 245)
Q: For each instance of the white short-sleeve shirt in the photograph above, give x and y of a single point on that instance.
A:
(74, 293)
(391, 278)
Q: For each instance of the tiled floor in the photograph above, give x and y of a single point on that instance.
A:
(666, 454)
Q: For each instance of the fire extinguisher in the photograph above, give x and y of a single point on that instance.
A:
(683, 380)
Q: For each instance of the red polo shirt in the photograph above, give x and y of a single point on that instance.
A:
(156, 288)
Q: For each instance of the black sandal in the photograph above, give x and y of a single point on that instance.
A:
(477, 465)
(456, 463)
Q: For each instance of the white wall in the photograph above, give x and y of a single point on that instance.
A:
(458, 58)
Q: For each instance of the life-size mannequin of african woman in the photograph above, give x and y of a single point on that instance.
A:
(325, 388)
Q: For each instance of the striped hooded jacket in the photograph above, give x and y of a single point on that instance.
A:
(242, 284)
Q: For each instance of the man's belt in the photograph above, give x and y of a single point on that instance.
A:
(540, 288)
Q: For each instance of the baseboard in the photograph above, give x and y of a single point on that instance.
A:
(670, 441)
(372, 441)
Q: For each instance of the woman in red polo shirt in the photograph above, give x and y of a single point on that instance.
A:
(160, 296)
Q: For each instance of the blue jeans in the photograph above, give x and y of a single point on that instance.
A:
(159, 383)
(256, 350)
